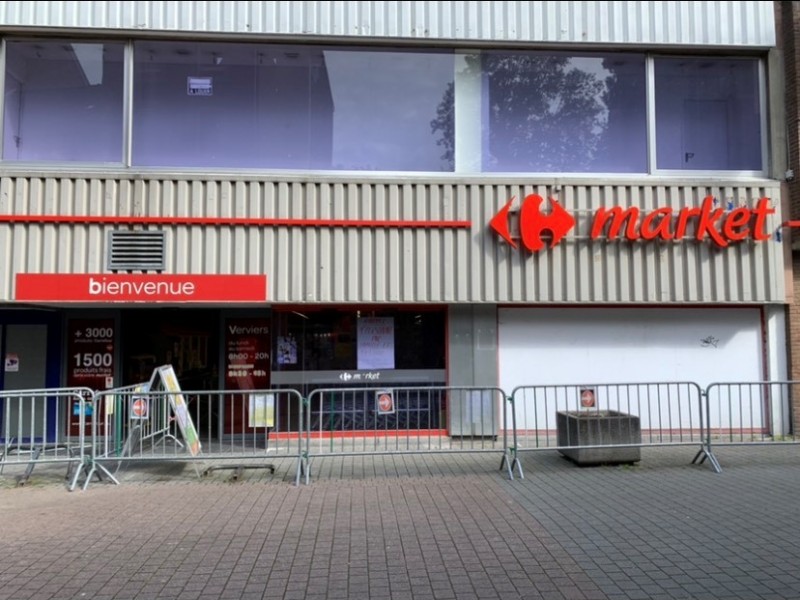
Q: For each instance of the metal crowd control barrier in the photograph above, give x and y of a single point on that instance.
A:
(98, 433)
(46, 426)
(209, 429)
(600, 423)
(405, 420)
(760, 412)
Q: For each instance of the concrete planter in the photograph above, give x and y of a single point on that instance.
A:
(599, 428)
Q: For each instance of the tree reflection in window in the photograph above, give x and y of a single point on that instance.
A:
(557, 113)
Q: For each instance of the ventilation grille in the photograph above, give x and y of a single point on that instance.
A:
(136, 250)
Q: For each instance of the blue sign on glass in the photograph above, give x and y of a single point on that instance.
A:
(87, 411)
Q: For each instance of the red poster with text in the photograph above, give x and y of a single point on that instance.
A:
(247, 366)
(90, 352)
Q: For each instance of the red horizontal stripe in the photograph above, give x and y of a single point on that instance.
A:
(231, 221)
(368, 433)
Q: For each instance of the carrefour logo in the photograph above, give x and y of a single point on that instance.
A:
(709, 221)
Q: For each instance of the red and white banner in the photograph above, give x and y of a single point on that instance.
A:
(247, 351)
(104, 288)
(90, 351)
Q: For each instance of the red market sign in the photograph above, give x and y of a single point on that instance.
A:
(102, 287)
(707, 222)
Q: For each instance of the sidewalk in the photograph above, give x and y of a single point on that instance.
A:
(416, 527)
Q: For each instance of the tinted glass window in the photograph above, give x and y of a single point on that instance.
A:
(306, 107)
(707, 114)
(549, 112)
(63, 101)
(288, 107)
(330, 340)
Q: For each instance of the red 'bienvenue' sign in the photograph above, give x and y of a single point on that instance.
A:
(94, 287)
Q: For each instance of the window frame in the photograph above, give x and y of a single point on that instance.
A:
(348, 121)
(573, 52)
(465, 132)
(79, 164)
(706, 173)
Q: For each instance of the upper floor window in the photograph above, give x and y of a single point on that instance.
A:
(205, 105)
(565, 113)
(63, 101)
(287, 107)
(708, 114)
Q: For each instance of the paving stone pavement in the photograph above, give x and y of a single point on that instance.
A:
(421, 527)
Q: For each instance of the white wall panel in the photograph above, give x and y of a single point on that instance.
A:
(590, 346)
(543, 346)
(641, 23)
(391, 264)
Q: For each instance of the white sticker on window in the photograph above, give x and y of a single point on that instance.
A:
(199, 86)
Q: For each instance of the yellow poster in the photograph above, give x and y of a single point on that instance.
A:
(262, 410)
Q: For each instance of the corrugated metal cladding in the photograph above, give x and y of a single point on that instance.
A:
(348, 265)
(686, 23)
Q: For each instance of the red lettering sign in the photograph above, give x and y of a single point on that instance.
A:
(712, 223)
(715, 224)
(140, 288)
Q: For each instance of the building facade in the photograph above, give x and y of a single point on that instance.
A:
(306, 194)
(788, 19)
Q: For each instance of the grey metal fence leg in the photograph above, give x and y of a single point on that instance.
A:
(506, 462)
(516, 463)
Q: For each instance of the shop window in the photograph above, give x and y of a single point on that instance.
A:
(63, 101)
(708, 114)
(288, 107)
(332, 340)
(362, 349)
(564, 113)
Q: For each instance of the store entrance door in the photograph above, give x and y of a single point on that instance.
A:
(29, 363)
(25, 357)
(187, 339)
(25, 369)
